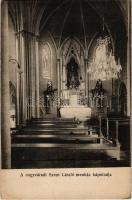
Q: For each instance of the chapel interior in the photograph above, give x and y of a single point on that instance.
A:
(65, 83)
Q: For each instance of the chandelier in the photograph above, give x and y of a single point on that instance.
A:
(103, 65)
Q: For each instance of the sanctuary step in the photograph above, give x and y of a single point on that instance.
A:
(54, 130)
(67, 130)
(59, 139)
(55, 122)
(54, 126)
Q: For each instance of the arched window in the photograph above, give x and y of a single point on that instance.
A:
(46, 61)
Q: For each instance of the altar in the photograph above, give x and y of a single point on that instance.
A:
(74, 109)
(79, 112)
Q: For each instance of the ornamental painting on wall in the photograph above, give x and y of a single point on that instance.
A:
(46, 61)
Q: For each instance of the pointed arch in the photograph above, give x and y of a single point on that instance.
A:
(122, 93)
(71, 49)
(71, 40)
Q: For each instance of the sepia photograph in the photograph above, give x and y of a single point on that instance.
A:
(65, 99)
(65, 83)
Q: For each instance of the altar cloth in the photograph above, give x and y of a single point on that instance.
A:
(79, 112)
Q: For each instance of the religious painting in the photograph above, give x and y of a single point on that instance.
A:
(46, 61)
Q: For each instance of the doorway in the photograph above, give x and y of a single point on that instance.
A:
(122, 99)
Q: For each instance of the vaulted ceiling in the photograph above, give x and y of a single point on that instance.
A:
(64, 13)
(80, 18)
(84, 19)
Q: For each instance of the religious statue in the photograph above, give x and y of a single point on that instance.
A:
(48, 97)
(98, 90)
(98, 93)
(72, 74)
(98, 87)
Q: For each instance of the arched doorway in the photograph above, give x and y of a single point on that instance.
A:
(123, 99)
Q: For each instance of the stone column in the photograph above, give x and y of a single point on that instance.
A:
(130, 16)
(64, 73)
(129, 61)
(86, 78)
(26, 74)
(58, 76)
(21, 113)
(28, 60)
(33, 74)
(22, 72)
(20, 79)
(37, 81)
(17, 86)
(61, 77)
(0, 85)
(5, 99)
(29, 57)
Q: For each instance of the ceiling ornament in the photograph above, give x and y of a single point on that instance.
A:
(103, 65)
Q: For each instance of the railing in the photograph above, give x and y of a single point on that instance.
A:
(110, 137)
(98, 101)
(93, 102)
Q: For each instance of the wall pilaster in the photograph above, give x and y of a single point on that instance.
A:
(5, 98)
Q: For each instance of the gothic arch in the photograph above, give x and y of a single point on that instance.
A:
(71, 49)
(53, 42)
(122, 93)
(72, 41)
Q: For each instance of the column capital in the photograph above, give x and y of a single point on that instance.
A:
(5, 93)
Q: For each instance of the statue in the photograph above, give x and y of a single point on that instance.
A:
(48, 97)
(72, 74)
(98, 90)
(98, 93)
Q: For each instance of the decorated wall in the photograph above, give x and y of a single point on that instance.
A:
(47, 62)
